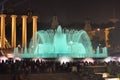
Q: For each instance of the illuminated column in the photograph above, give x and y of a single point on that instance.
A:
(107, 34)
(34, 29)
(13, 41)
(2, 30)
(24, 31)
(106, 37)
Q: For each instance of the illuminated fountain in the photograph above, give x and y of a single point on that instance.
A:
(62, 43)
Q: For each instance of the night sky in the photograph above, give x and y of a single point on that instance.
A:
(68, 11)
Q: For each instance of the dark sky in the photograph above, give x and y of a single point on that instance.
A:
(68, 11)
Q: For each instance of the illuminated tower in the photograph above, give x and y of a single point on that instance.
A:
(55, 22)
(24, 31)
(2, 35)
(88, 28)
(13, 41)
(34, 29)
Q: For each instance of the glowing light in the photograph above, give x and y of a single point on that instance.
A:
(71, 42)
(108, 59)
(111, 78)
(17, 58)
(19, 45)
(11, 55)
(98, 29)
(0, 44)
(39, 59)
(105, 75)
(65, 59)
(3, 58)
(89, 60)
(118, 59)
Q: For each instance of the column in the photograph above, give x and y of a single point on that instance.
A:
(24, 31)
(106, 37)
(13, 34)
(2, 30)
(34, 29)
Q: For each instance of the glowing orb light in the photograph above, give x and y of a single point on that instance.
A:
(65, 60)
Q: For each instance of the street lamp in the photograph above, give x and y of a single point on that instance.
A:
(98, 29)
(19, 46)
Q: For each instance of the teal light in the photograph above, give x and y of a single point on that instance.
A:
(62, 43)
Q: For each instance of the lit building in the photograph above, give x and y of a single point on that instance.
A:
(102, 34)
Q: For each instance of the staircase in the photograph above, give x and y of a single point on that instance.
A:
(45, 76)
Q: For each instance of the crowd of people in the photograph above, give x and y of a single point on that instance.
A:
(27, 66)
